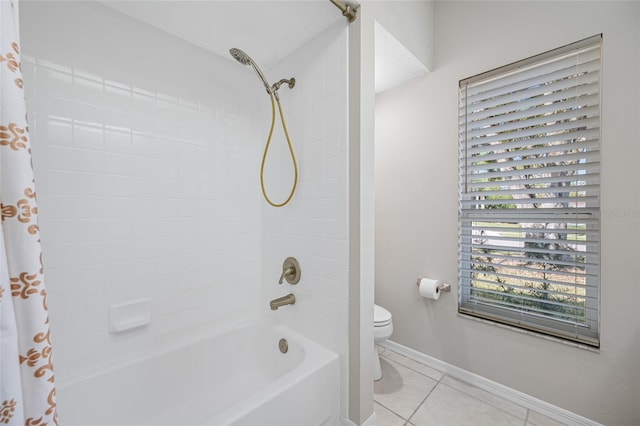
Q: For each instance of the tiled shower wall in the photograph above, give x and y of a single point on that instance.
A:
(146, 153)
(146, 156)
(313, 227)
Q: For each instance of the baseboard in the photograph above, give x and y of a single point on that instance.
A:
(522, 399)
(371, 421)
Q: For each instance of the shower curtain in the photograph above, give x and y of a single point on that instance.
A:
(27, 387)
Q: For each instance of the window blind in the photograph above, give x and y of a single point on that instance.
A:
(529, 211)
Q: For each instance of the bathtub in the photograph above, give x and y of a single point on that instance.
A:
(237, 376)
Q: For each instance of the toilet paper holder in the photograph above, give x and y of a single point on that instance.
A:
(441, 287)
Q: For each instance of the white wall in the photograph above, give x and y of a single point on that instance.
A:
(147, 153)
(410, 22)
(361, 214)
(416, 205)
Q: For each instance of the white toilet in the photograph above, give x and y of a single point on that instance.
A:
(382, 330)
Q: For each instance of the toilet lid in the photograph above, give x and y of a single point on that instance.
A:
(381, 316)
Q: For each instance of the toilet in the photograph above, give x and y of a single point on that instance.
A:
(382, 330)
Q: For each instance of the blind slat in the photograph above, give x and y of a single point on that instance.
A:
(528, 201)
(519, 230)
(521, 70)
(578, 94)
(533, 215)
(565, 131)
(573, 246)
(536, 250)
(539, 121)
(487, 191)
(589, 169)
(516, 296)
(497, 258)
(529, 309)
(510, 278)
(530, 97)
(521, 180)
(559, 70)
(555, 272)
(586, 158)
(550, 107)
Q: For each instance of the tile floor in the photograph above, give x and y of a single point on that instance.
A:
(412, 394)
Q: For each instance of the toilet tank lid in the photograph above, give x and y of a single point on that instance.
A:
(380, 314)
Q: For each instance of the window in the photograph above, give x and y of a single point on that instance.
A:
(529, 240)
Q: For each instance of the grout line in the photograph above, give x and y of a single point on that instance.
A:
(439, 382)
(389, 409)
(424, 400)
(420, 405)
(410, 368)
(556, 413)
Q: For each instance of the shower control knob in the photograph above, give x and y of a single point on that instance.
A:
(290, 271)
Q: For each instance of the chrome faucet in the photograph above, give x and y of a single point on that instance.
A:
(289, 299)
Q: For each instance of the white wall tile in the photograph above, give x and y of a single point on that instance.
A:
(89, 137)
(313, 228)
(88, 90)
(117, 162)
(118, 98)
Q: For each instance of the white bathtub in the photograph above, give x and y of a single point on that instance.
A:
(235, 377)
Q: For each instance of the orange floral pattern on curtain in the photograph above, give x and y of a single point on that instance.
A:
(27, 388)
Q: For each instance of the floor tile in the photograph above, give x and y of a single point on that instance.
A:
(487, 397)
(536, 419)
(401, 389)
(414, 365)
(386, 417)
(450, 407)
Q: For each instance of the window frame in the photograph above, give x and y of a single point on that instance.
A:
(588, 333)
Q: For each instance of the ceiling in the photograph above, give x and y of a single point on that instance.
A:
(394, 64)
(267, 30)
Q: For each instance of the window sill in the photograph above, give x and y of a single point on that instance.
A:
(531, 333)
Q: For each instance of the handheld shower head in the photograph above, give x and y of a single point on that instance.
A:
(245, 59)
(240, 56)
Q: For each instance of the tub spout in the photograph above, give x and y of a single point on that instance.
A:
(289, 299)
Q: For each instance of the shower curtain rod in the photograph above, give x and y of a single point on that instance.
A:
(349, 9)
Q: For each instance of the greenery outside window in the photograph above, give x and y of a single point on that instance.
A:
(529, 210)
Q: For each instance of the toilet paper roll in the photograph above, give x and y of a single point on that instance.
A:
(429, 288)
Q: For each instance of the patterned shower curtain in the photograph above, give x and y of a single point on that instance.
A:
(27, 388)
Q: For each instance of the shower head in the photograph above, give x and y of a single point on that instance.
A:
(240, 56)
(245, 59)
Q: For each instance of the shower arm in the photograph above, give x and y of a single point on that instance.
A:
(276, 86)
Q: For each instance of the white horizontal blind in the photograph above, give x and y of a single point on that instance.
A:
(529, 240)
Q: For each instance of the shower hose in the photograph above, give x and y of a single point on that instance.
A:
(266, 150)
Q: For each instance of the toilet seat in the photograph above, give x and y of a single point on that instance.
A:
(382, 330)
(381, 317)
